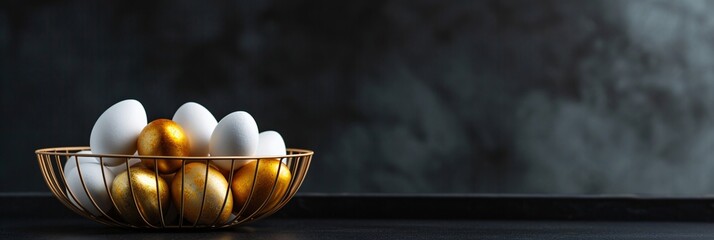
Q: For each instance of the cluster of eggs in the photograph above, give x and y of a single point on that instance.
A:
(137, 188)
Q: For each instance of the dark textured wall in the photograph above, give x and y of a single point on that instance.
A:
(394, 96)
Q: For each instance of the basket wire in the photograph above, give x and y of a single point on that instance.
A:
(53, 160)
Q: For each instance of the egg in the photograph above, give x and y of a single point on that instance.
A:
(256, 180)
(143, 190)
(116, 130)
(72, 161)
(198, 124)
(202, 191)
(163, 137)
(235, 135)
(96, 188)
(270, 143)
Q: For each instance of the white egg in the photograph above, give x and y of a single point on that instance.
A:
(116, 170)
(72, 161)
(235, 135)
(117, 130)
(92, 178)
(270, 143)
(198, 124)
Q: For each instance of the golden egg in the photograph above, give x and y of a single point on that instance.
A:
(267, 177)
(195, 178)
(144, 187)
(163, 137)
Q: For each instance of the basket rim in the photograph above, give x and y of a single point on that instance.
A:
(64, 151)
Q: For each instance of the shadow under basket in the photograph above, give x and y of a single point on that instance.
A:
(198, 196)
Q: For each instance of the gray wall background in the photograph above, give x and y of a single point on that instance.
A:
(573, 97)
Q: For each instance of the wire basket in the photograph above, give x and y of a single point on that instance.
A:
(143, 204)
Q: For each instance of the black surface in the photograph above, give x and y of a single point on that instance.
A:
(500, 207)
(472, 206)
(316, 216)
(75, 228)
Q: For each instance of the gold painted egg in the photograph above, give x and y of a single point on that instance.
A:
(144, 188)
(198, 178)
(265, 178)
(163, 137)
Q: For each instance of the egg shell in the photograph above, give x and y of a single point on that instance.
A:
(72, 161)
(198, 124)
(270, 143)
(92, 177)
(235, 135)
(117, 129)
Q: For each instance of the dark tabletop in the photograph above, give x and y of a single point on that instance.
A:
(76, 228)
(40, 216)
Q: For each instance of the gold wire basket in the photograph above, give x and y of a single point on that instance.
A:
(262, 194)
